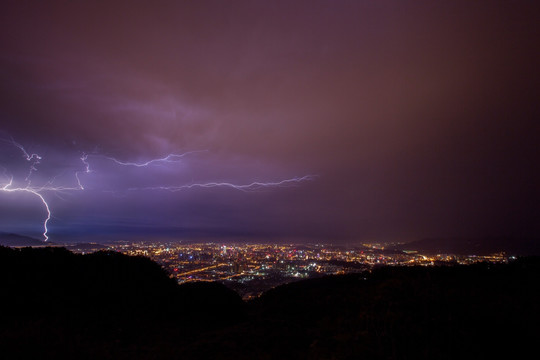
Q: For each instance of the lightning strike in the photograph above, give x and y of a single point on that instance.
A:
(37, 191)
(245, 187)
(171, 158)
(84, 159)
(7, 188)
(35, 159)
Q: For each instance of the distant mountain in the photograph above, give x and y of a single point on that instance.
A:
(8, 239)
(476, 246)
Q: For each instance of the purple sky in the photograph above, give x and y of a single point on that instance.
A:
(417, 118)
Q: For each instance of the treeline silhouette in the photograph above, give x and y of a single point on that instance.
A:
(105, 305)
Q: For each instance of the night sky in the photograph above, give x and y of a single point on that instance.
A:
(367, 120)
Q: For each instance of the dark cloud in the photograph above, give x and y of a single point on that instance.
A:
(421, 119)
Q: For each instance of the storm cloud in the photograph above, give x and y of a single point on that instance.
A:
(417, 118)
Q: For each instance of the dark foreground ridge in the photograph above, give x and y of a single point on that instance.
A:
(56, 304)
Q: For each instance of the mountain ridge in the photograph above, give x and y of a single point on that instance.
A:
(475, 245)
(14, 240)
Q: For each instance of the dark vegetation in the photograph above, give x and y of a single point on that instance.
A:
(105, 305)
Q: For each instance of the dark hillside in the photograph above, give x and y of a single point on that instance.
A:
(428, 313)
(110, 306)
(102, 305)
(460, 312)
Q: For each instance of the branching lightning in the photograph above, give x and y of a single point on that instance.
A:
(8, 188)
(84, 159)
(35, 159)
(171, 158)
(245, 187)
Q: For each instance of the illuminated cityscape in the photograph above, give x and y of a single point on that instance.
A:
(251, 269)
(239, 180)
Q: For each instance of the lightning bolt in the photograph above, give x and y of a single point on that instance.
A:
(34, 160)
(171, 158)
(7, 188)
(38, 191)
(84, 159)
(245, 187)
